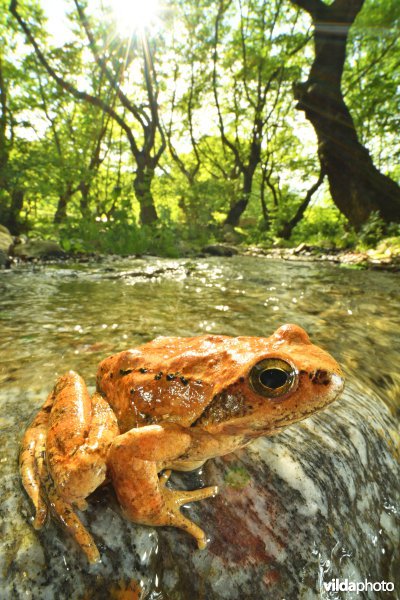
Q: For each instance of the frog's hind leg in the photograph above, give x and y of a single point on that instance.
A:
(63, 456)
(79, 435)
(31, 461)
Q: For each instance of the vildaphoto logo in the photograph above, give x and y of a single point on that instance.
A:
(345, 585)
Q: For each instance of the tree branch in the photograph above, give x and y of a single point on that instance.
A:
(288, 227)
(69, 87)
(313, 7)
(103, 66)
(225, 140)
(152, 94)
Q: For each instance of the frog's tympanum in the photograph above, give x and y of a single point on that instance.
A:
(170, 404)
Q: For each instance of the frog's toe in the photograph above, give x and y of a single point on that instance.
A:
(191, 528)
(181, 497)
(174, 499)
(64, 511)
(175, 518)
(164, 478)
(41, 515)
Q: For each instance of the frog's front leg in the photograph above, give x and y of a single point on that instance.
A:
(134, 460)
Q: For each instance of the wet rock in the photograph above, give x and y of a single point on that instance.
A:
(21, 239)
(318, 502)
(220, 250)
(3, 229)
(38, 249)
(303, 247)
(4, 259)
(6, 241)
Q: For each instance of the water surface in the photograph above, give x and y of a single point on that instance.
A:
(54, 318)
(321, 500)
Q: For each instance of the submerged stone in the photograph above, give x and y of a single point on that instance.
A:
(38, 249)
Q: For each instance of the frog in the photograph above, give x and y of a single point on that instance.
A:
(169, 404)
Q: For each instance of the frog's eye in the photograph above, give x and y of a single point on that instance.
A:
(273, 377)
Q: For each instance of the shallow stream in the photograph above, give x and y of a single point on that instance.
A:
(69, 316)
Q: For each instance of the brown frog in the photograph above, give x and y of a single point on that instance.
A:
(170, 404)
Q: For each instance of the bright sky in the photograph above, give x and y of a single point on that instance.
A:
(58, 22)
(130, 14)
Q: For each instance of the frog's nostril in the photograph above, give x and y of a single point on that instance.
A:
(321, 377)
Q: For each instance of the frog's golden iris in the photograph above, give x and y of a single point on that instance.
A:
(273, 377)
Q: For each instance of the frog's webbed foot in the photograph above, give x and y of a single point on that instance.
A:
(174, 499)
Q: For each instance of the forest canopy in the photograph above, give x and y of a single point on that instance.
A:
(128, 127)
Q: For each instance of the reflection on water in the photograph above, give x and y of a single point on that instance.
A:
(56, 318)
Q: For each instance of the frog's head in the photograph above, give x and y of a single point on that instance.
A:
(284, 379)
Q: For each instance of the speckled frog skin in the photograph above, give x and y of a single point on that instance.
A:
(170, 404)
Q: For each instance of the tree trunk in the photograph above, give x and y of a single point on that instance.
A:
(357, 187)
(288, 226)
(63, 200)
(238, 208)
(12, 221)
(84, 188)
(142, 186)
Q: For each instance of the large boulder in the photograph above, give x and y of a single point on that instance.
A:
(220, 250)
(4, 229)
(296, 513)
(6, 242)
(39, 249)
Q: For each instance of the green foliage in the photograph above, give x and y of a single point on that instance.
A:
(125, 238)
(374, 230)
(371, 81)
(54, 147)
(371, 232)
(324, 226)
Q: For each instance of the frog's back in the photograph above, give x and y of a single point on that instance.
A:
(171, 378)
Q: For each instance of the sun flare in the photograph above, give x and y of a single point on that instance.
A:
(134, 15)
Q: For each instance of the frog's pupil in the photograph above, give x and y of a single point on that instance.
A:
(273, 378)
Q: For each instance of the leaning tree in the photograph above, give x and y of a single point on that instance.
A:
(357, 187)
